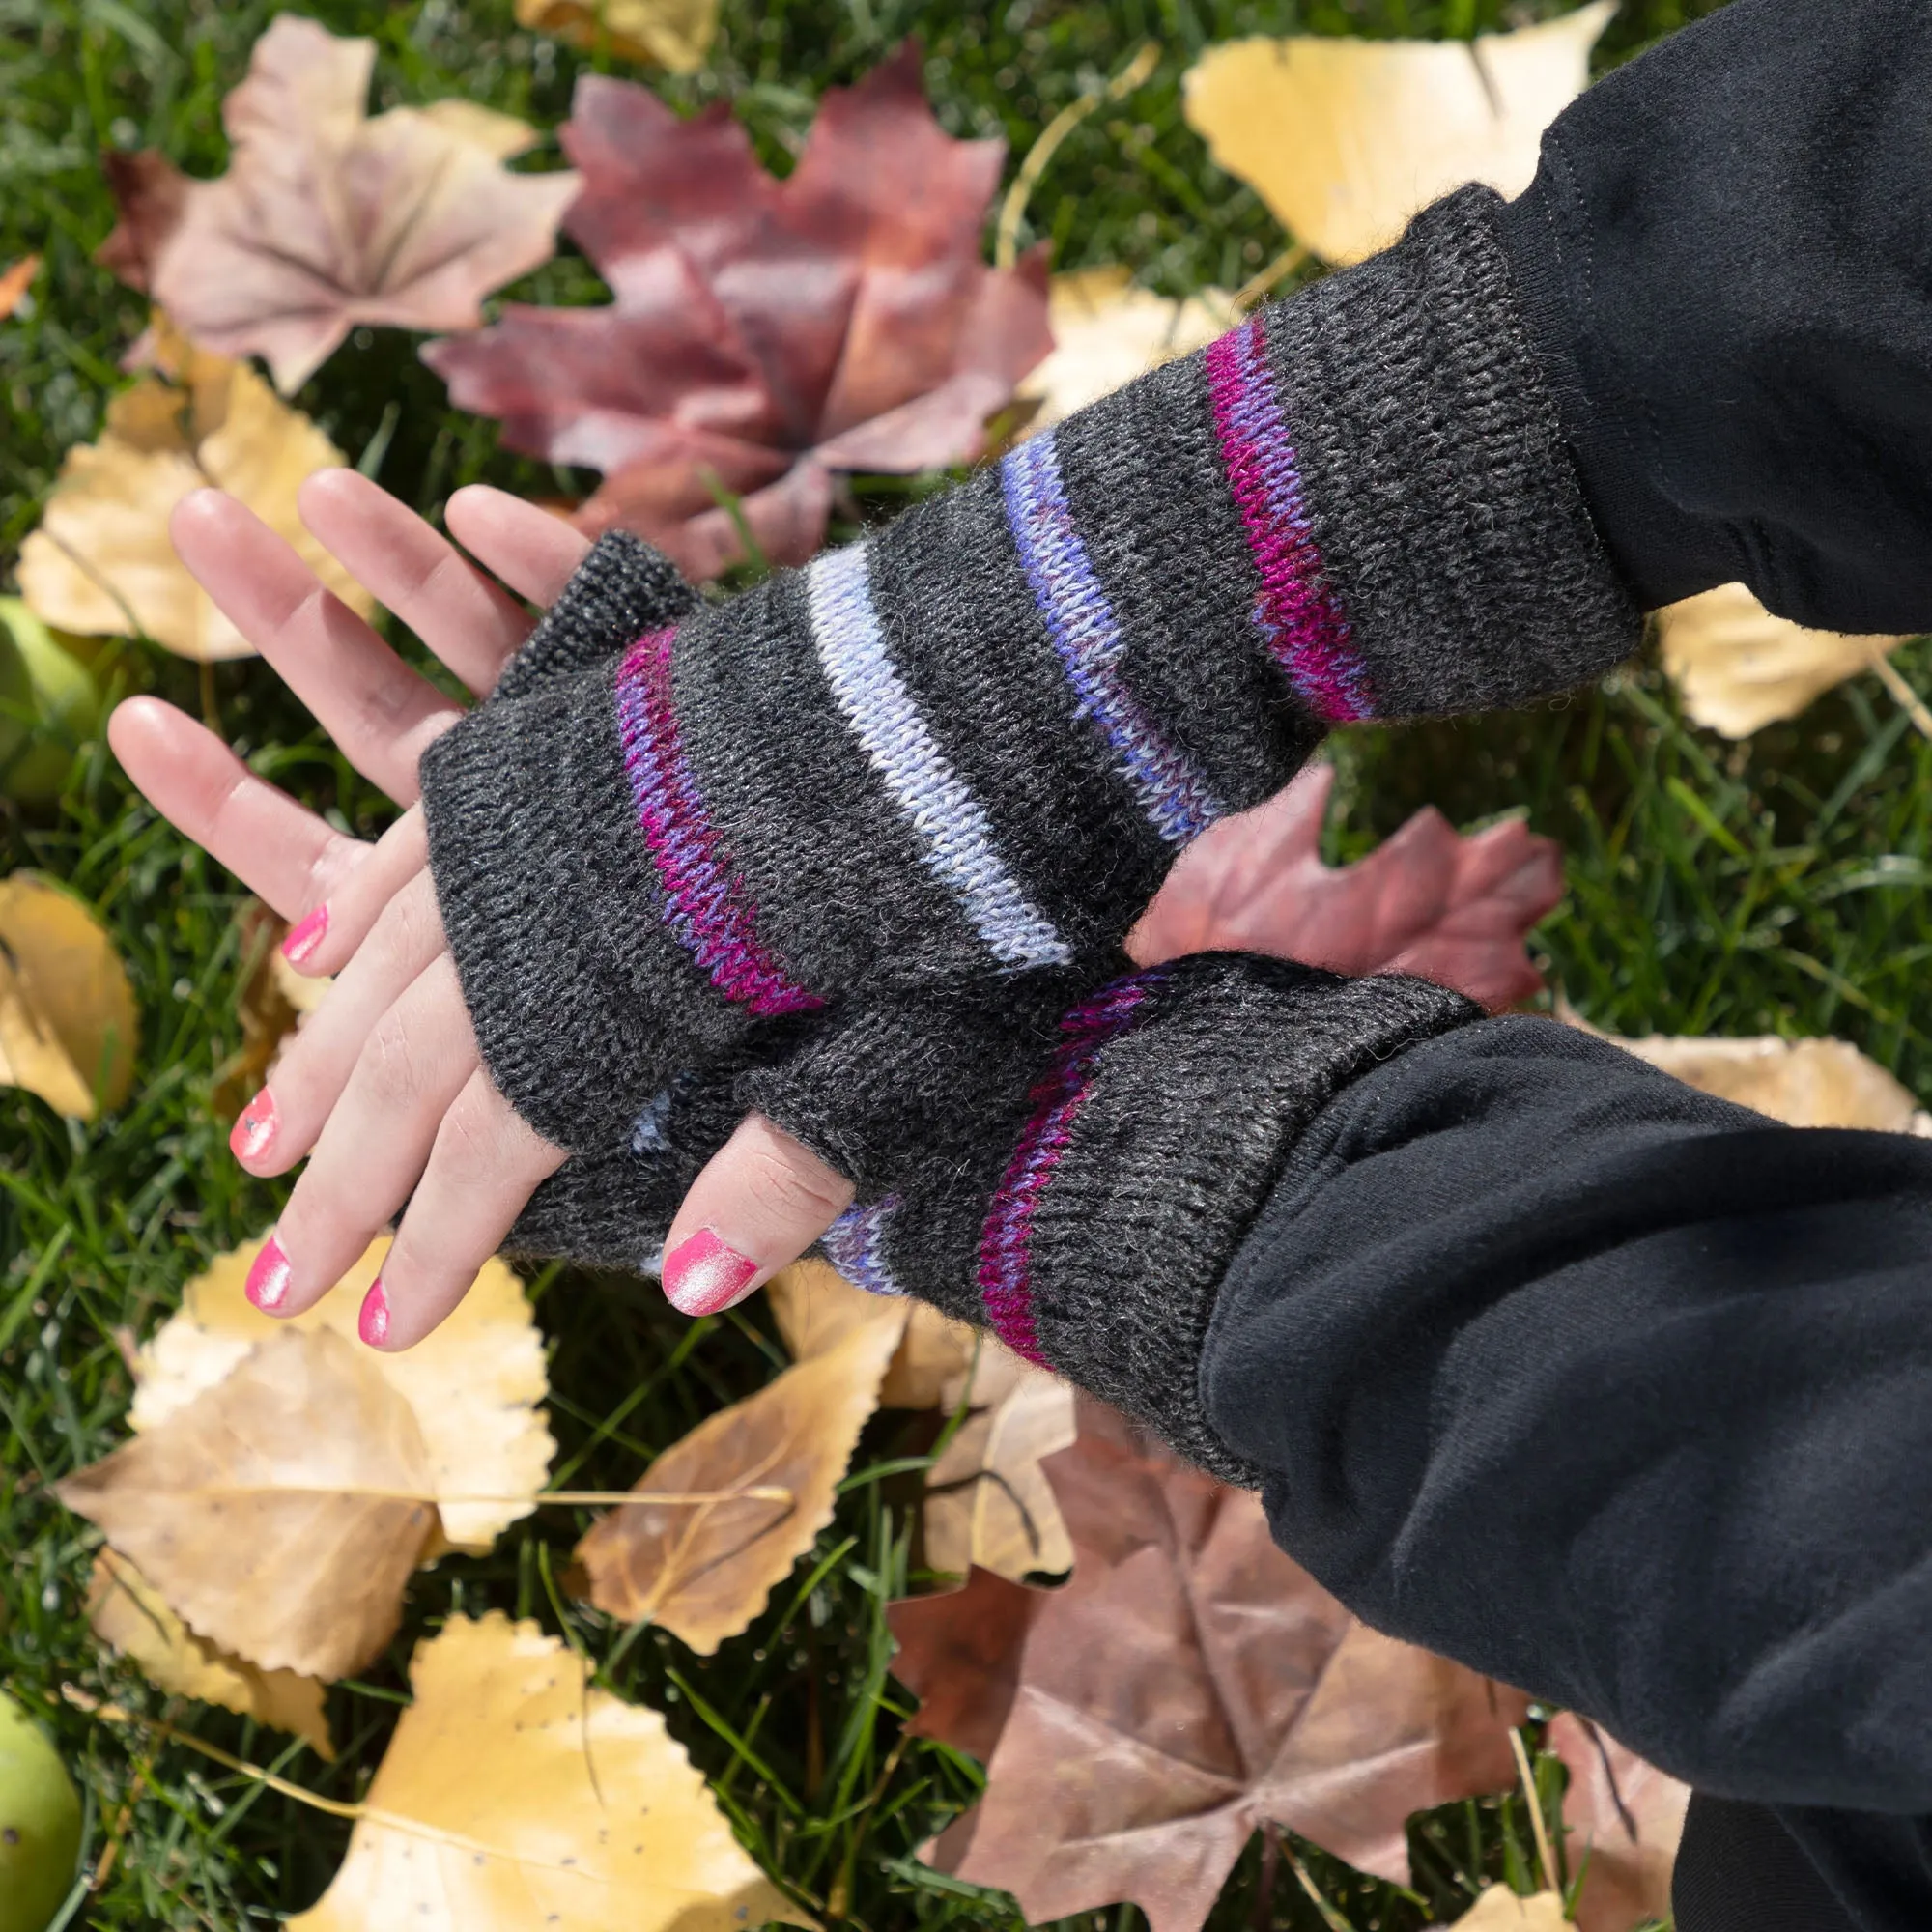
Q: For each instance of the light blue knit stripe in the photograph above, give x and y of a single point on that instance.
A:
(1088, 641)
(854, 1244)
(954, 833)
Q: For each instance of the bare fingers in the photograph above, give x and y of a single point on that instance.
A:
(332, 931)
(533, 551)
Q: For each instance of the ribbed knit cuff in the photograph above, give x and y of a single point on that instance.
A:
(1094, 1240)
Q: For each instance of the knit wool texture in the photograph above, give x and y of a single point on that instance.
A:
(972, 744)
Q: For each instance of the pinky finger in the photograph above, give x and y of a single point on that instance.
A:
(485, 1165)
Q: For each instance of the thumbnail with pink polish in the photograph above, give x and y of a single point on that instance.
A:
(255, 1129)
(267, 1283)
(373, 1326)
(703, 1274)
(306, 935)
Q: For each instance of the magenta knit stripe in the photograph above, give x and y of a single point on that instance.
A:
(705, 901)
(1298, 611)
(1006, 1262)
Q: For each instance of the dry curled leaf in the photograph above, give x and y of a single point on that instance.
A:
(674, 34)
(68, 1021)
(513, 1795)
(1501, 1910)
(766, 335)
(816, 1309)
(15, 283)
(102, 563)
(474, 1386)
(1344, 139)
(132, 1618)
(1106, 332)
(1187, 1683)
(1427, 902)
(328, 219)
(703, 1569)
(1626, 1817)
(1738, 669)
(281, 1512)
(988, 1504)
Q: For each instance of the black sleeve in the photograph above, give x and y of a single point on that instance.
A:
(1616, 1392)
(1727, 259)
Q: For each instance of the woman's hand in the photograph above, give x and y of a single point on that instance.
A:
(383, 1087)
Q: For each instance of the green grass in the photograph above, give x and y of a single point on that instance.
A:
(1775, 887)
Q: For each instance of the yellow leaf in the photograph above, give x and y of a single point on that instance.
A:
(474, 1385)
(1501, 1910)
(512, 1796)
(703, 1570)
(130, 1616)
(673, 34)
(501, 137)
(817, 1308)
(102, 562)
(1106, 332)
(67, 1023)
(280, 1513)
(1347, 139)
(989, 1501)
(1738, 669)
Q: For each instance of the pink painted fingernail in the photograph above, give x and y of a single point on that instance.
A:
(703, 1274)
(267, 1283)
(306, 935)
(255, 1129)
(373, 1323)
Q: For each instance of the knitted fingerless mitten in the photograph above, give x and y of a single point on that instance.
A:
(973, 742)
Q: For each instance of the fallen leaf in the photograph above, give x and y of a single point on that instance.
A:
(765, 336)
(1427, 902)
(1738, 669)
(1805, 1083)
(513, 1795)
(102, 562)
(1188, 1683)
(281, 1512)
(1626, 1816)
(15, 283)
(327, 219)
(816, 1309)
(1501, 1910)
(132, 1618)
(988, 1504)
(67, 1022)
(703, 1570)
(474, 1386)
(674, 34)
(1346, 139)
(501, 137)
(1106, 332)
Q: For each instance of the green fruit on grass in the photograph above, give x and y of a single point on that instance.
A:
(39, 1824)
(48, 703)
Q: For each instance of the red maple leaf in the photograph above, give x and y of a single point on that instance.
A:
(1427, 902)
(765, 335)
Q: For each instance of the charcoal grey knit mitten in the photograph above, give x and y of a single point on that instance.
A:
(972, 744)
(1077, 1183)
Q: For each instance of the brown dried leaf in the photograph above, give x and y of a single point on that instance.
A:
(513, 1795)
(1187, 1683)
(1627, 1817)
(1738, 669)
(765, 336)
(1344, 139)
(102, 563)
(673, 34)
(816, 1308)
(15, 283)
(328, 219)
(132, 1618)
(988, 1504)
(1501, 1910)
(280, 1513)
(68, 1020)
(1427, 902)
(474, 1386)
(703, 1570)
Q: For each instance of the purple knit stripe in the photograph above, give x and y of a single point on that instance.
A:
(1297, 610)
(1006, 1262)
(705, 903)
(854, 1244)
(1087, 639)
